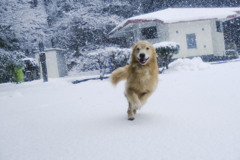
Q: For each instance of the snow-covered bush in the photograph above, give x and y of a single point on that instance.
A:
(31, 69)
(109, 58)
(104, 60)
(9, 61)
(118, 57)
(165, 52)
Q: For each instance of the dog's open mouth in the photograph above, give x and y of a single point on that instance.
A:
(143, 61)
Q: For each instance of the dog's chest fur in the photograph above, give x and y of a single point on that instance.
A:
(140, 79)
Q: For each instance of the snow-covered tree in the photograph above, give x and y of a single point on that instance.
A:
(25, 21)
(82, 26)
(8, 38)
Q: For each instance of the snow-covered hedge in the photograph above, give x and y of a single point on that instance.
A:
(165, 51)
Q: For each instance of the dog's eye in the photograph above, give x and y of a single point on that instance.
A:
(138, 49)
(147, 48)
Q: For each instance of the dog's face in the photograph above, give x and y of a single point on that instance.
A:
(143, 51)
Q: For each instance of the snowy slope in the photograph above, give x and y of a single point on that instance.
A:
(194, 114)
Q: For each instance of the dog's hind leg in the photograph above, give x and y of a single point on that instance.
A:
(134, 111)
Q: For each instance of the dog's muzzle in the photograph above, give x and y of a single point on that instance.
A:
(142, 58)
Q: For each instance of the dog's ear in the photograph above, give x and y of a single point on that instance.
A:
(133, 48)
(134, 45)
(154, 51)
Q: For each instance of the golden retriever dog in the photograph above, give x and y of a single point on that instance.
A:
(141, 75)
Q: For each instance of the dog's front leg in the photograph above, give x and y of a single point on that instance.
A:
(132, 98)
(130, 112)
(134, 103)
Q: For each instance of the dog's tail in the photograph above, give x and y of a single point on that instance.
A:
(119, 75)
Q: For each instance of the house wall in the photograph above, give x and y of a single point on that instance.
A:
(52, 66)
(51, 62)
(62, 66)
(161, 31)
(217, 39)
(202, 30)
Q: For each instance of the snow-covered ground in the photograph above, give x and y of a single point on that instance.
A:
(193, 115)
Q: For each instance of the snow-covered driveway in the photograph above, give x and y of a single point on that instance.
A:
(193, 115)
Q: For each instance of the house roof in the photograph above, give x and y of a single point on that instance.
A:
(178, 15)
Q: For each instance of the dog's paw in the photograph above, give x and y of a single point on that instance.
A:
(131, 118)
(130, 115)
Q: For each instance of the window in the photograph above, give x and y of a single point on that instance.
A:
(191, 41)
(218, 26)
(149, 33)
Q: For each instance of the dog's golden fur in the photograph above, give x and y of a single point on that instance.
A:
(141, 75)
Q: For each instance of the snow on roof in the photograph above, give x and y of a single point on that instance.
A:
(176, 15)
(173, 15)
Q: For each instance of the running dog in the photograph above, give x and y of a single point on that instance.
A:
(141, 75)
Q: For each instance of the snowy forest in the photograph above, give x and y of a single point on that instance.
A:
(78, 26)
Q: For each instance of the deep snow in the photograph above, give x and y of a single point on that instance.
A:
(194, 114)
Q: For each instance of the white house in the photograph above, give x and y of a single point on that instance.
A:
(199, 31)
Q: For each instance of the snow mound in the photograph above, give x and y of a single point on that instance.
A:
(195, 64)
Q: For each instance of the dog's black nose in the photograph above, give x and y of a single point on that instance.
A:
(142, 55)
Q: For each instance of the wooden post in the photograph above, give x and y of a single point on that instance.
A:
(44, 66)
